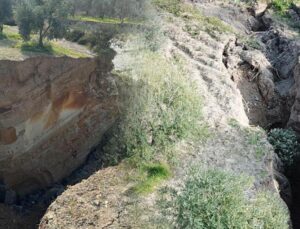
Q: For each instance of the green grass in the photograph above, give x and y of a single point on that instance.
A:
(190, 13)
(161, 108)
(10, 33)
(152, 176)
(50, 48)
(216, 199)
(171, 6)
(12, 36)
(282, 15)
(281, 6)
(233, 123)
(250, 42)
(62, 51)
(34, 47)
(256, 139)
(104, 20)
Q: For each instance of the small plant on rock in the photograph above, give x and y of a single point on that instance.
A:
(282, 5)
(154, 174)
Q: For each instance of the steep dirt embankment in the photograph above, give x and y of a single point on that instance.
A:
(104, 200)
(265, 65)
(52, 112)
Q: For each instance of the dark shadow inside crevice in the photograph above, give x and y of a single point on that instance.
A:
(293, 175)
(30, 209)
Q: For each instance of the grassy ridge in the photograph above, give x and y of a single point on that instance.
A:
(164, 108)
(160, 108)
(211, 199)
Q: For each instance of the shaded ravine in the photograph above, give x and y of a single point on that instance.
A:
(294, 178)
(18, 209)
(274, 112)
(28, 211)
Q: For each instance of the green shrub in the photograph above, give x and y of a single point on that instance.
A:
(32, 46)
(2, 36)
(154, 174)
(282, 5)
(171, 6)
(166, 108)
(214, 199)
(161, 107)
(99, 41)
(285, 144)
(49, 48)
(74, 35)
(190, 12)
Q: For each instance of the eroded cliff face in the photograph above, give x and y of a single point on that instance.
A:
(294, 120)
(52, 112)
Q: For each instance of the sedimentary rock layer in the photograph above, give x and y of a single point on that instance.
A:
(52, 112)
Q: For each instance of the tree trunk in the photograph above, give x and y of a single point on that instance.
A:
(122, 19)
(41, 44)
(1, 28)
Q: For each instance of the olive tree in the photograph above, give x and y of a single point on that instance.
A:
(5, 12)
(45, 17)
(111, 8)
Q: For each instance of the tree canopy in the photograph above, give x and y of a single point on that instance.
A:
(45, 17)
(110, 8)
(5, 12)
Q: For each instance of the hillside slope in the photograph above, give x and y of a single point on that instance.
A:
(107, 198)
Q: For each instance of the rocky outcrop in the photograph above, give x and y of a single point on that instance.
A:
(52, 112)
(262, 68)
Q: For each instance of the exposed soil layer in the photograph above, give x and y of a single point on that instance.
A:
(48, 107)
(264, 82)
(280, 49)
